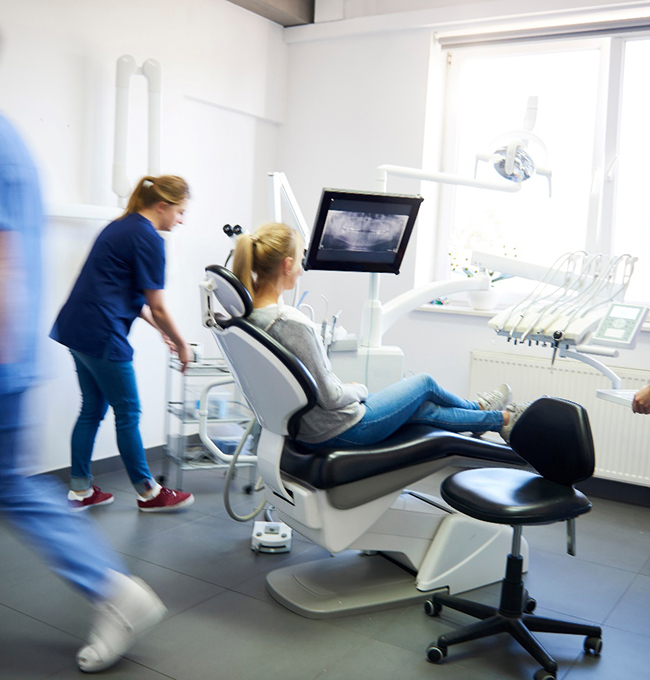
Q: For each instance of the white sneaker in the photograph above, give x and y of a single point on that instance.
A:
(515, 411)
(497, 399)
(131, 609)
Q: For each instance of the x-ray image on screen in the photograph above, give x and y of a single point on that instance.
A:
(363, 231)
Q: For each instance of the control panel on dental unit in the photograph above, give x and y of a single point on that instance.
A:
(620, 326)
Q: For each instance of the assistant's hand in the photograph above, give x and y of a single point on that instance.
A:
(185, 355)
(167, 340)
(641, 403)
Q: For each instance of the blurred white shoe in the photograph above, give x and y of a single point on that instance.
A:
(129, 610)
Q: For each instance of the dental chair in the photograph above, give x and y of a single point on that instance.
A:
(407, 543)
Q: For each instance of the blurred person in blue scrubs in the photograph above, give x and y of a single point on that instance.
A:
(71, 544)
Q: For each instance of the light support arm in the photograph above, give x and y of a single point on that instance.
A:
(278, 188)
(441, 178)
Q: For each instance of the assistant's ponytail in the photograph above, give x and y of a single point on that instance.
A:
(150, 190)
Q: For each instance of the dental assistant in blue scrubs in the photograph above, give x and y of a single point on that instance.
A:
(123, 278)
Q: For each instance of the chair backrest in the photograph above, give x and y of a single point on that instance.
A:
(278, 388)
(554, 436)
(229, 291)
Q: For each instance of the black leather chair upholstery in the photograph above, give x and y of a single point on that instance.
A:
(518, 497)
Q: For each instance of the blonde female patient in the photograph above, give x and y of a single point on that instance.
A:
(269, 262)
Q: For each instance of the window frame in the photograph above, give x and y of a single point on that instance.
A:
(601, 213)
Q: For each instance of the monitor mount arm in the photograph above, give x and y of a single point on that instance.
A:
(377, 318)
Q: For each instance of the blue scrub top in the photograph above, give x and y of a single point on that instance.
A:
(127, 258)
(20, 213)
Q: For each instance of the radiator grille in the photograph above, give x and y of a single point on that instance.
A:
(621, 438)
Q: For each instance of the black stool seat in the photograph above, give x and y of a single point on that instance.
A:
(509, 496)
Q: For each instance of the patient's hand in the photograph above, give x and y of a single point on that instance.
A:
(641, 403)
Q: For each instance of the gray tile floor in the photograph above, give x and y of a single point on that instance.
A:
(222, 623)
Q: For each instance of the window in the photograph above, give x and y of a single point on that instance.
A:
(631, 220)
(596, 141)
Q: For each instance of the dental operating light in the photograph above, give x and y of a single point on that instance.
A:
(519, 154)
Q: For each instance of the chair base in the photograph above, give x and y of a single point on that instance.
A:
(343, 585)
(464, 554)
(510, 617)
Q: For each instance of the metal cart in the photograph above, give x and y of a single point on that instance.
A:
(187, 396)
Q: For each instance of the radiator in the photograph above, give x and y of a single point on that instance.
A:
(621, 438)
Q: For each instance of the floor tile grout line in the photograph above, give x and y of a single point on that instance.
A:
(620, 599)
(45, 623)
(582, 559)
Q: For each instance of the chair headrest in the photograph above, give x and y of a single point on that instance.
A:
(230, 291)
(554, 436)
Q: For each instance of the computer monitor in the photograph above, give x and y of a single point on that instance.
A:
(361, 232)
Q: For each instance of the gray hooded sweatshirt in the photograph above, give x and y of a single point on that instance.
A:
(339, 405)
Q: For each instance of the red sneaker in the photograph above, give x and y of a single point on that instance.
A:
(167, 500)
(97, 497)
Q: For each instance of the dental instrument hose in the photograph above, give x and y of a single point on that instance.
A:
(229, 477)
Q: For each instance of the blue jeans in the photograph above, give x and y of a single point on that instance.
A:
(416, 400)
(37, 508)
(103, 383)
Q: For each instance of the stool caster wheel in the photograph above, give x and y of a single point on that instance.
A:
(530, 605)
(593, 645)
(432, 608)
(543, 674)
(248, 489)
(436, 654)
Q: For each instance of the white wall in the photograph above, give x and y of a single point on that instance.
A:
(224, 73)
(357, 100)
(352, 105)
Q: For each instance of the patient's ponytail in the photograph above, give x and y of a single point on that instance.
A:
(259, 256)
(242, 264)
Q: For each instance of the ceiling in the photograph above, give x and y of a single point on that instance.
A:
(283, 12)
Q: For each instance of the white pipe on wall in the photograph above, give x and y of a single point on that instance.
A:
(152, 72)
(126, 69)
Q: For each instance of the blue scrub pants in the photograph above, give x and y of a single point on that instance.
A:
(103, 383)
(418, 399)
(36, 507)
